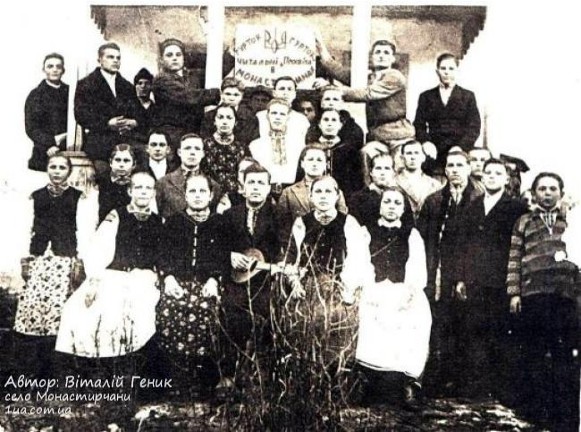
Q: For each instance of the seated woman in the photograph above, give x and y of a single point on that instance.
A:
(113, 185)
(195, 260)
(295, 200)
(51, 271)
(394, 313)
(331, 249)
(223, 151)
(343, 157)
(364, 204)
(113, 311)
(236, 197)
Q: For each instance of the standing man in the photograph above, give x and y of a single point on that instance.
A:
(384, 95)
(171, 189)
(105, 106)
(543, 290)
(156, 162)
(489, 223)
(143, 83)
(179, 94)
(447, 115)
(412, 179)
(279, 150)
(478, 157)
(285, 88)
(442, 225)
(45, 113)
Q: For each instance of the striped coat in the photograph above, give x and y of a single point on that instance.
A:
(536, 262)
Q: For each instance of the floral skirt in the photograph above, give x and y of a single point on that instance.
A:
(40, 305)
(187, 326)
(120, 320)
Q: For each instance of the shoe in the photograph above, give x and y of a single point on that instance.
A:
(410, 397)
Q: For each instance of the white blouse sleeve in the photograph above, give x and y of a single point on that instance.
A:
(357, 268)
(26, 220)
(572, 234)
(102, 249)
(298, 236)
(415, 270)
(87, 220)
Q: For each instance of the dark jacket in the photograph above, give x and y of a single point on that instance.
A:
(180, 100)
(265, 237)
(95, 105)
(487, 242)
(455, 124)
(143, 166)
(442, 226)
(45, 115)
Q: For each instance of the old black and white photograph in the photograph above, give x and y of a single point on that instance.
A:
(311, 215)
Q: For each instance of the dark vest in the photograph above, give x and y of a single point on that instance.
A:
(324, 246)
(111, 196)
(55, 221)
(389, 252)
(137, 242)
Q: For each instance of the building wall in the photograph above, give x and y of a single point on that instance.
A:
(139, 29)
(423, 40)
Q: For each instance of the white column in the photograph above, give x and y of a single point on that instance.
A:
(215, 44)
(82, 59)
(360, 36)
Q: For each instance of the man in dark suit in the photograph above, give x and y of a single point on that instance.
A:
(446, 115)
(489, 223)
(252, 225)
(171, 189)
(45, 113)
(442, 225)
(157, 150)
(106, 107)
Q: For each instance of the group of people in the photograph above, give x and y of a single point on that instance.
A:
(404, 244)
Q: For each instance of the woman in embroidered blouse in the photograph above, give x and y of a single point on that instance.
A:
(332, 250)
(194, 262)
(113, 312)
(395, 309)
(223, 151)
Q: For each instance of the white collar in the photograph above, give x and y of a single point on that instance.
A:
(495, 196)
(387, 224)
(56, 86)
(108, 75)
(446, 89)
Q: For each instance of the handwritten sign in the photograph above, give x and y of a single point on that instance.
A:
(265, 52)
